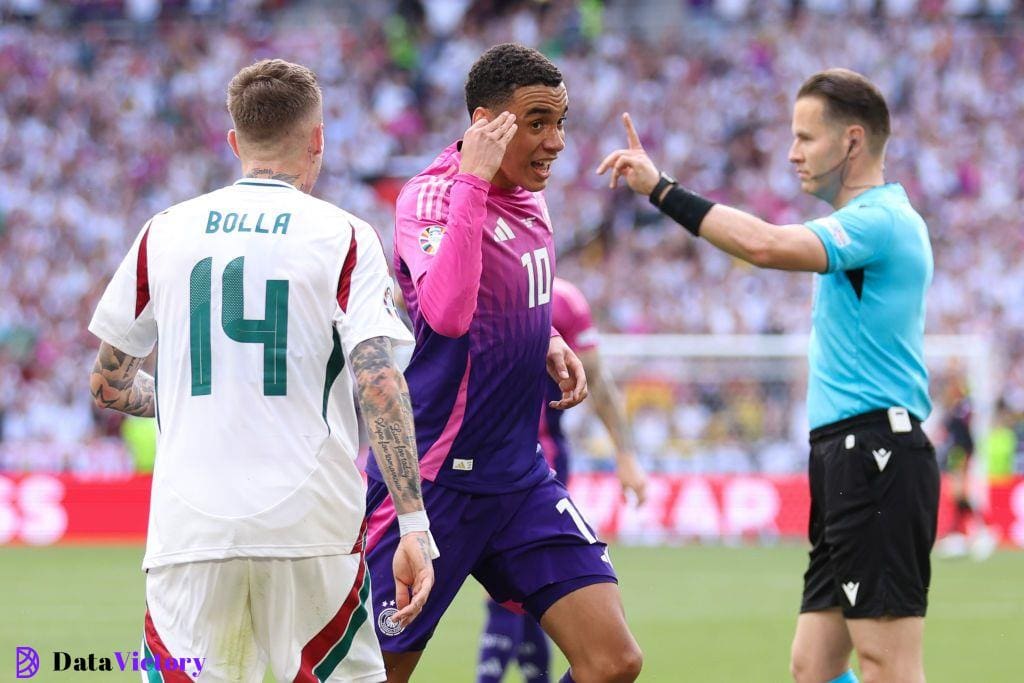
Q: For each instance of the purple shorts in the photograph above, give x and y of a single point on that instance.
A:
(527, 548)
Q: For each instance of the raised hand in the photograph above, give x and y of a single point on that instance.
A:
(631, 163)
(484, 143)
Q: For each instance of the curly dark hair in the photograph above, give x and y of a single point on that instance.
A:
(502, 69)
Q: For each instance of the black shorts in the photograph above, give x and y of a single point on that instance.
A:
(874, 508)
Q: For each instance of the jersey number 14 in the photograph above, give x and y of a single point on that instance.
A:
(271, 331)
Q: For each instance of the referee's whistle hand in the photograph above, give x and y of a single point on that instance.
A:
(632, 163)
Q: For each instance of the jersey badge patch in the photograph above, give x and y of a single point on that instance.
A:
(389, 301)
(385, 623)
(835, 228)
(430, 239)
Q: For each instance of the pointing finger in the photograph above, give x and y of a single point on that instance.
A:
(634, 139)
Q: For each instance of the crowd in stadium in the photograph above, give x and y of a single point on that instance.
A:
(106, 122)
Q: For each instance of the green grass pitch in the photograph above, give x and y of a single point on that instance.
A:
(700, 613)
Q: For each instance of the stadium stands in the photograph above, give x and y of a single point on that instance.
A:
(108, 121)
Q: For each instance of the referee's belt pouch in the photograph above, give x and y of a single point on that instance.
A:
(905, 429)
(899, 420)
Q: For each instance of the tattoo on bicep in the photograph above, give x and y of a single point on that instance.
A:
(387, 411)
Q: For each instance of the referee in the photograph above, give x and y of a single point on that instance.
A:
(873, 475)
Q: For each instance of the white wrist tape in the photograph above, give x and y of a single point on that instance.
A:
(413, 521)
(418, 521)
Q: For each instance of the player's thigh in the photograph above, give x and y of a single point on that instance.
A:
(312, 618)
(821, 646)
(200, 611)
(545, 550)
(460, 524)
(589, 626)
(889, 649)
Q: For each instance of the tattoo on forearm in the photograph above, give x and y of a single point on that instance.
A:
(117, 383)
(272, 174)
(387, 411)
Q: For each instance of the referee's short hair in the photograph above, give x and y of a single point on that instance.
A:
(851, 98)
(502, 69)
(268, 99)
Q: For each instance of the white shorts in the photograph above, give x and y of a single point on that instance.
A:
(226, 620)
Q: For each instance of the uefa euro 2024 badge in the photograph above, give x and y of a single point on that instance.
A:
(27, 663)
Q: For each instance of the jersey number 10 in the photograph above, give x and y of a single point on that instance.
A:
(271, 331)
(538, 276)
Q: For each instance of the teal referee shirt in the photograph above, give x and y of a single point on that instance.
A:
(867, 340)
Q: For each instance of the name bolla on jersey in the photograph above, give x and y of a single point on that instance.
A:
(257, 293)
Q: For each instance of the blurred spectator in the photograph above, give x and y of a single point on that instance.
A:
(102, 126)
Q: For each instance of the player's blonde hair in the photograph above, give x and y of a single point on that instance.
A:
(268, 99)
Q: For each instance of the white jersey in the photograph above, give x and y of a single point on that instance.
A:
(257, 293)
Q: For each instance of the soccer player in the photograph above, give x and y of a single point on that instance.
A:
(509, 634)
(873, 474)
(475, 261)
(957, 451)
(259, 296)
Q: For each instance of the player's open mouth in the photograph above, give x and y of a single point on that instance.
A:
(543, 168)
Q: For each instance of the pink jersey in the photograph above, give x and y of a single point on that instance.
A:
(571, 318)
(476, 266)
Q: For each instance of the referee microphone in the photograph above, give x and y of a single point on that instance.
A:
(819, 176)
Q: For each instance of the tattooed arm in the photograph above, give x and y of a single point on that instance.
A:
(117, 383)
(387, 412)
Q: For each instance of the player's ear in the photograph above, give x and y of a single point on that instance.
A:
(855, 140)
(481, 113)
(233, 143)
(316, 140)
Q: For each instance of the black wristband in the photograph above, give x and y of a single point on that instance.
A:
(685, 208)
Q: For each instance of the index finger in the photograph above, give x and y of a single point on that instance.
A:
(634, 139)
(499, 120)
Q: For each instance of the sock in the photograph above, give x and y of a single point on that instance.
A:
(498, 642)
(846, 677)
(567, 678)
(533, 653)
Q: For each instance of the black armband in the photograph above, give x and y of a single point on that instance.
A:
(684, 207)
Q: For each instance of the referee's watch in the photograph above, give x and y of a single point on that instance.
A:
(664, 182)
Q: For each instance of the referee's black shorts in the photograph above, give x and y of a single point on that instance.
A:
(874, 508)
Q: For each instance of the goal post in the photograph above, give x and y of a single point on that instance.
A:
(681, 359)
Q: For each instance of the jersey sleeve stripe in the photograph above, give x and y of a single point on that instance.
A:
(142, 275)
(345, 279)
(420, 196)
